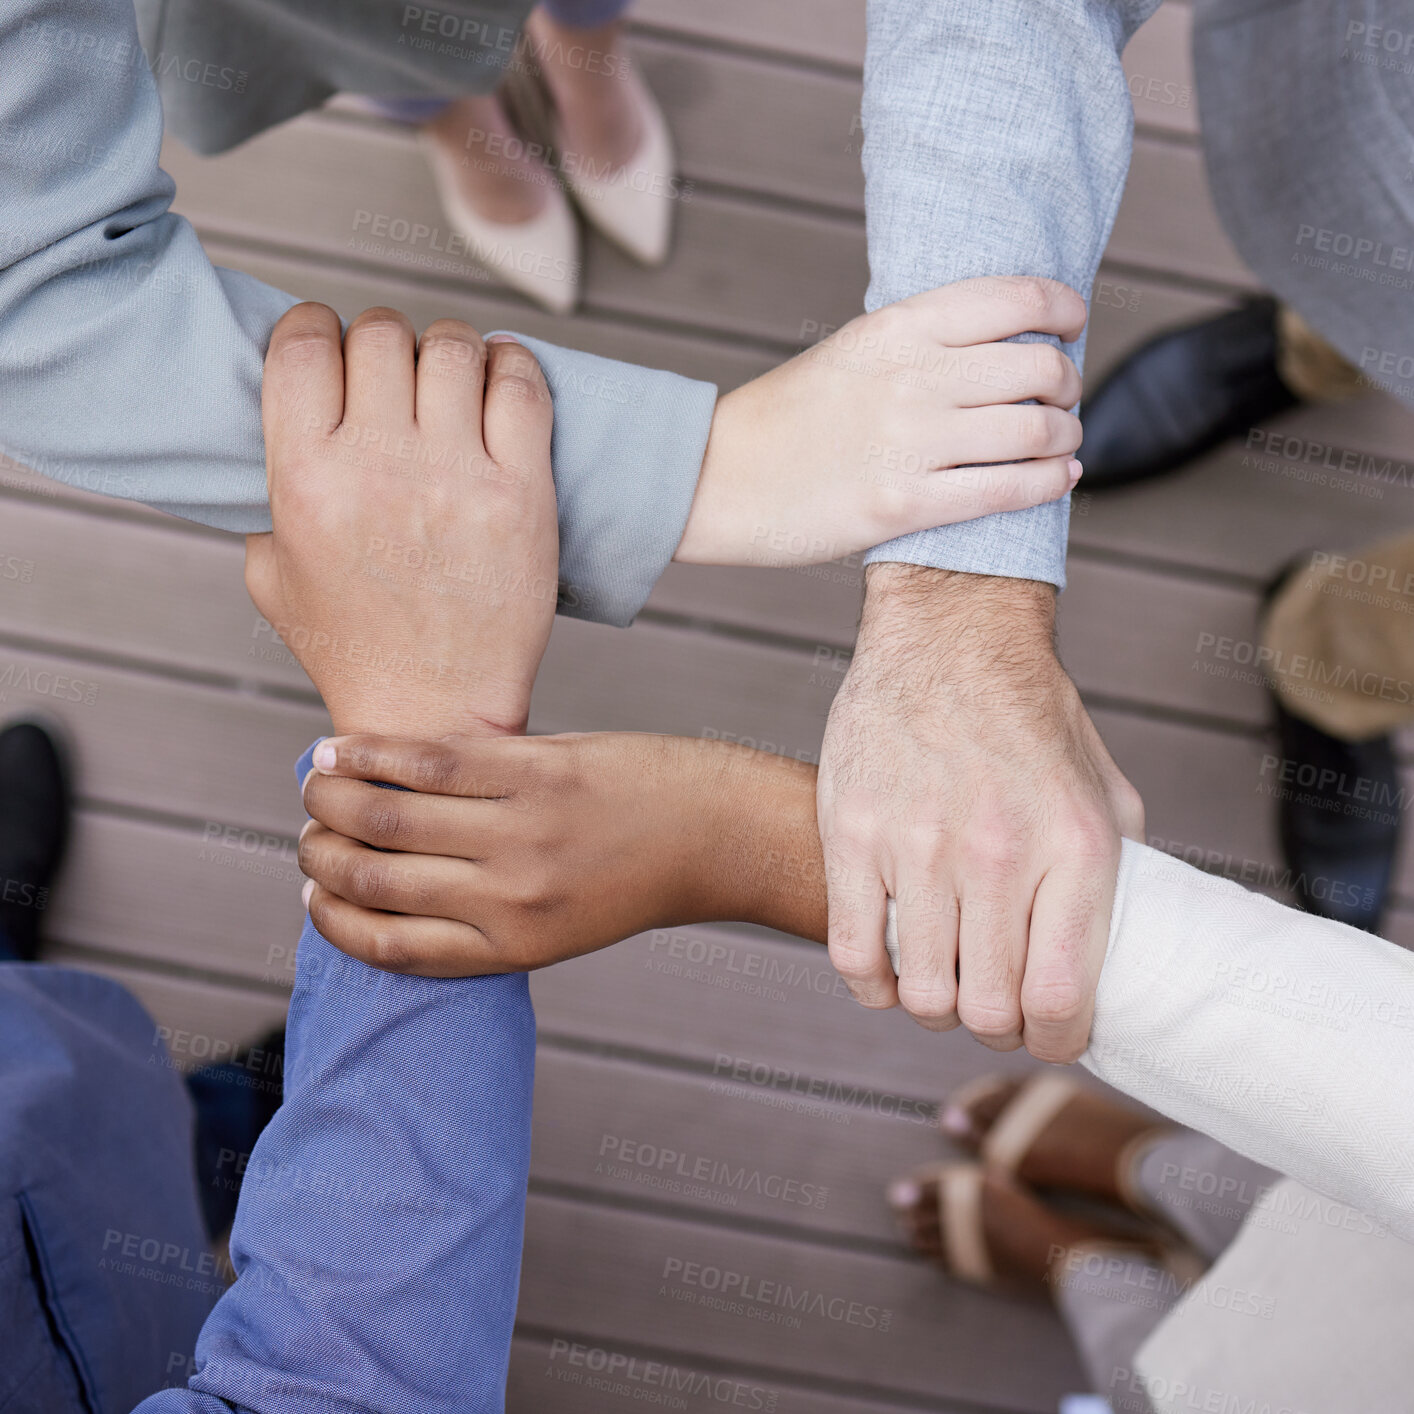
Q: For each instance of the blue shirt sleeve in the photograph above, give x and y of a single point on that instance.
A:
(378, 1238)
(996, 142)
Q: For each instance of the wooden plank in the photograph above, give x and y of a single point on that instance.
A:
(169, 746)
(603, 1272)
(1245, 510)
(224, 898)
(361, 194)
(561, 1374)
(741, 266)
(349, 291)
(183, 606)
(705, 1145)
(831, 32)
(1158, 65)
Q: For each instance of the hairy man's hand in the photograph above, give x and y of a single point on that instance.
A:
(962, 777)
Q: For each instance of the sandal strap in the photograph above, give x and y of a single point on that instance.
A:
(1036, 1104)
(1127, 1171)
(960, 1222)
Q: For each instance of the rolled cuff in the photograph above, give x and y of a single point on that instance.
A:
(1027, 544)
(626, 467)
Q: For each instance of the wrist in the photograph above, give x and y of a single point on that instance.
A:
(966, 618)
(762, 844)
(706, 534)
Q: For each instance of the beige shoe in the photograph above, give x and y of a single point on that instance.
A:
(538, 258)
(633, 204)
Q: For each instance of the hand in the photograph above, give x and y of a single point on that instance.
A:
(508, 854)
(962, 777)
(412, 569)
(878, 430)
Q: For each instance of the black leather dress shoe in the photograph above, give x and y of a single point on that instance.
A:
(1182, 394)
(34, 827)
(1339, 808)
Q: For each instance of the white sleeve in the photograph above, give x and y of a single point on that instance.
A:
(1288, 1037)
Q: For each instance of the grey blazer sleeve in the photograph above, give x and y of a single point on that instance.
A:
(131, 367)
(996, 142)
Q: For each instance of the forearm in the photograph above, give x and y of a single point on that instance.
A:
(997, 141)
(377, 1242)
(1284, 1035)
(1281, 1034)
(132, 367)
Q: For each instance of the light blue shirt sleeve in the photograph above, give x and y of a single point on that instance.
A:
(996, 142)
(131, 367)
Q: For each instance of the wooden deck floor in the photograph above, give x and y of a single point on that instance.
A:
(183, 883)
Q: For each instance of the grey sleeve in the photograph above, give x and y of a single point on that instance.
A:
(996, 142)
(131, 367)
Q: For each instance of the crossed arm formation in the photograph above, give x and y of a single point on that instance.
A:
(997, 141)
(395, 1171)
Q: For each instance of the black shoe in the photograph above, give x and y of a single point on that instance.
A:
(34, 827)
(1339, 806)
(1182, 394)
(234, 1102)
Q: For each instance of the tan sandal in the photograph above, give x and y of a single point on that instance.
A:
(1041, 1097)
(963, 1251)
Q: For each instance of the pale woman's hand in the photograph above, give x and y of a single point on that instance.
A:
(883, 428)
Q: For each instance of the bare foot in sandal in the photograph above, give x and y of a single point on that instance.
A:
(986, 1229)
(1053, 1132)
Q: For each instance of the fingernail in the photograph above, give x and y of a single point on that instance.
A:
(956, 1121)
(502, 339)
(325, 756)
(1075, 469)
(305, 893)
(904, 1193)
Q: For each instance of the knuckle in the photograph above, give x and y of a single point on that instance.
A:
(383, 822)
(1054, 999)
(390, 950)
(300, 345)
(990, 1018)
(854, 959)
(361, 755)
(927, 1001)
(522, 387)
(991, 851)
(1030, 430)
(1089, 840)
(448, 346)
(1051, 365)
(1031, 292)
(382, 322)
(367, 880)
(436, 769)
